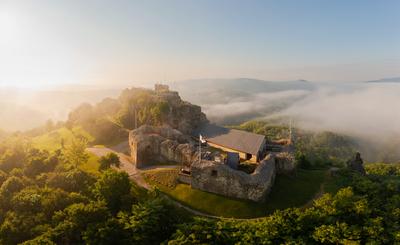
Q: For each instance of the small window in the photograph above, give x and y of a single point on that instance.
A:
(214, 173)
(248, 156)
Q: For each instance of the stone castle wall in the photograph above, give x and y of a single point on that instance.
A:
(151, 145)
(285, 162)
(221, 179)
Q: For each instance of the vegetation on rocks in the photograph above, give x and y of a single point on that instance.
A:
(109, 120)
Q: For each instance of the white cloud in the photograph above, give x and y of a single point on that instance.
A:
(371, 110)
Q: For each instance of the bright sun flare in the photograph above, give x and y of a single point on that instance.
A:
(8, 23)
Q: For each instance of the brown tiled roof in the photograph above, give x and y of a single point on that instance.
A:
(234, 139)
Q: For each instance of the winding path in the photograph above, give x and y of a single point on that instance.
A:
(126, 165)
(134, 174)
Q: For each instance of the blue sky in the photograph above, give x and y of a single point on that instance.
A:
(104, 42)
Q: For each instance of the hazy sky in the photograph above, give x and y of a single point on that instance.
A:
(104, 42)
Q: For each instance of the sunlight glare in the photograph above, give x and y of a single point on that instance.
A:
(9, 25)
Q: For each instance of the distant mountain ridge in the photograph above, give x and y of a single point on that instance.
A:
(226, 100)
(210, 91)
(386, 80)
(247, 84)
(232, 101)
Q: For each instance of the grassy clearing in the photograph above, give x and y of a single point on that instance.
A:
(334, 183)
(166, 177)
(287, 192)
(295, 191)
(52, 141)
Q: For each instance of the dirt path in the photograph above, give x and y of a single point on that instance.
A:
(126, 165)
(134, 174)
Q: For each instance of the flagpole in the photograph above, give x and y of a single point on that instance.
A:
(199, 148)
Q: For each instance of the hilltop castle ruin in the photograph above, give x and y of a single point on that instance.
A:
(215, 161)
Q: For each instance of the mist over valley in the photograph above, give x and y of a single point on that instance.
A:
(363, 110)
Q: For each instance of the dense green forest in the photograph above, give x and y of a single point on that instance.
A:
(47, 199)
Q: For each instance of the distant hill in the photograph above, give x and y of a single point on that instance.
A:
(25, 109)
(209, 91)
(386, 80)
(232, 101)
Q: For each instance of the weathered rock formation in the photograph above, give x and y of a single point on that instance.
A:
(150, 145)
(174, 112)
(356, 164)
(183, 115)
(221, 179)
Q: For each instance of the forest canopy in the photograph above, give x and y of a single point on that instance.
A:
(45, 198)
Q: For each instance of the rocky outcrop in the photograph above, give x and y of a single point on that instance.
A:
(356, 164)
(151, 145)
(161, 107)
(221, 179)
(183, 115)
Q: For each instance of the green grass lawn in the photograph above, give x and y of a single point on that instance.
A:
(287, 192)
(333, 184)
(165, 178)
(52, 141)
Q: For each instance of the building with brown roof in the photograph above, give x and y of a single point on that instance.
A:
(250, 146)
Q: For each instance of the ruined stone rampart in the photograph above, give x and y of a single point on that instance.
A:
(221, 179)
(285, 162)
(151, 145)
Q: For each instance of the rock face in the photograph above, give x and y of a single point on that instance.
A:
(167, 106)
(150, 145)
(221, 179)
(183, 115)
(356, 164)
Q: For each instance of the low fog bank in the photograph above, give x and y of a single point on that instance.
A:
(233, 101)
(23, 109)
(364, 109)
(368, 112)
(257, 105)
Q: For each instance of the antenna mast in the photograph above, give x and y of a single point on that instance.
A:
(199, 148)
(291, 130)
(134, 112)
(135, 118)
